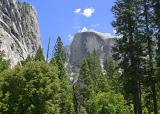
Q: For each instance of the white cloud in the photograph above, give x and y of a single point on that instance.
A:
(88, 12)
(70, 37)
(77, 10)
(114, 32)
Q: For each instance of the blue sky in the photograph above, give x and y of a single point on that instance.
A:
(66, 17)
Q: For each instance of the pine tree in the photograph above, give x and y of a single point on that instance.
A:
(59, 58)
(96, 72)
(113, 75)
(66, 104)
(110, 67)
(59, 50)
(84, 86)
(90, 81)
(148, 35)
(39, 55)
(128, 50)
(156, 6)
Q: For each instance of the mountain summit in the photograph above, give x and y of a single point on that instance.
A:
(87, 42)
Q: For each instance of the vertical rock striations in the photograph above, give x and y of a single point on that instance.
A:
(19, 31)
(87, 42)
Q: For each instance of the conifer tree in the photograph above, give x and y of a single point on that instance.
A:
(157, 34)
(39, 55)
(110, 67)
(96, 72)
(156, 6)
(66, 104)
(113, 75)
(59, 50)
(59, 58)
(84, 86)
(90, 81)
(148, 30)
(128, 50)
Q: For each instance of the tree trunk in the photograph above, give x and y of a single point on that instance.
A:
(135, 105)
(154, 98)
(137, 100)
(140, 102)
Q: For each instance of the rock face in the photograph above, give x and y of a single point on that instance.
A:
(86, 42)
(19, 31)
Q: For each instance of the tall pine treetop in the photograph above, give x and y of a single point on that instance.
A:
(39, 55)
(59, 50)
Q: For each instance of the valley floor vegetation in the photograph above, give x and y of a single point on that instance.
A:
(37, 86)
(128, 83)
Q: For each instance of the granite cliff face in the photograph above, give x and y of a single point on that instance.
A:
(86, 42)
(19, 31)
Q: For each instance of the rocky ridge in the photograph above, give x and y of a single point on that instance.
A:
(19, 31)
(87, 42)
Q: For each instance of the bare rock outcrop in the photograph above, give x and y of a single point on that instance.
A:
(87, 42)
(19, 30)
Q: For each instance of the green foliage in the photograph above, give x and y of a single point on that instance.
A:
(157, 34)
(131, 81)
(138, 24)
(110, 67)
(66, 99)
(30, 89)
(65, 93)
(39, 55)
(66, 103)
(84, 85)
(62, 72)
(129, 49)
(59, 50)
(28, 59)
(90, 81)
(109, 103)
(147, 100)
(158, 100)
(113, 75)
(4, 64)
(100, 82)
